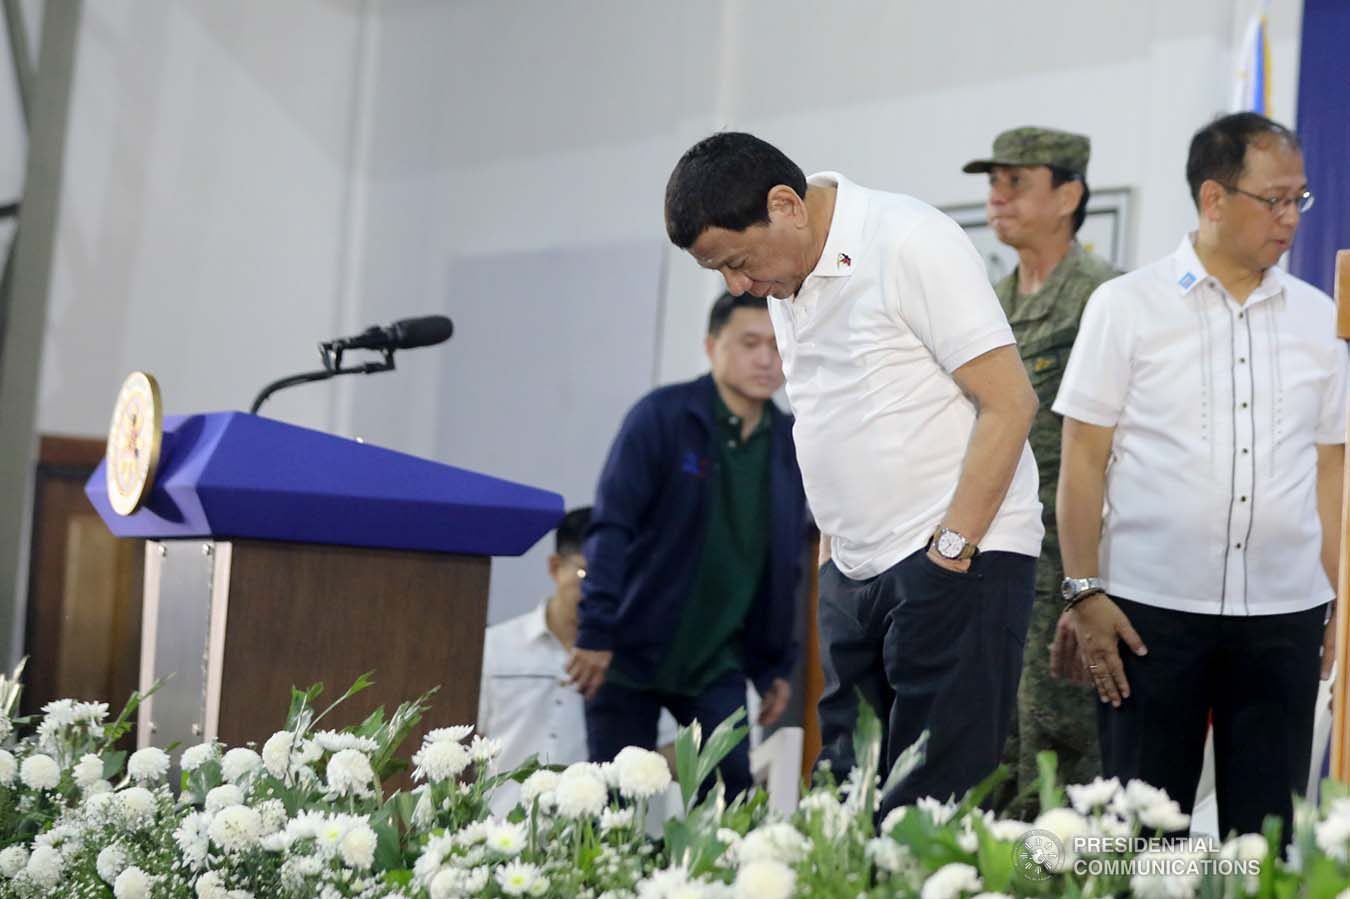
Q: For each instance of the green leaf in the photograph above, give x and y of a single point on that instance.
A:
(1051, 794)
(995, 859)
(687, 744)
(723, 739)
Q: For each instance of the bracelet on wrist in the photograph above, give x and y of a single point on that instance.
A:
(1075, 600)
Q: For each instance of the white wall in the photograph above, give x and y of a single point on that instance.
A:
(245, 179)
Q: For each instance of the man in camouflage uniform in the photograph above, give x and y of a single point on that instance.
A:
(1038, 197)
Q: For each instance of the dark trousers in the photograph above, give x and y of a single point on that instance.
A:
(929, 650)
(1257, 675)
(622, 716)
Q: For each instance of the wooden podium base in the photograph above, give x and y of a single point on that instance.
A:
(234, 625)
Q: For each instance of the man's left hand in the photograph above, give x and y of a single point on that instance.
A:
(587, 669)
(958, 565)
(1329, 645)
(773, 702)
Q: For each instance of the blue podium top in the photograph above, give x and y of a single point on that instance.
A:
(228, 475)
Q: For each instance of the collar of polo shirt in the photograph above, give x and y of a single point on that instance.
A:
(844, 241)
(1190, 274)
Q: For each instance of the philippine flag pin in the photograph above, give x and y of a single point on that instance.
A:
(844, 261)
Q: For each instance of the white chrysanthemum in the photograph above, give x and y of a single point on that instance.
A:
(6, 727)
(239, 763)
(440, 760)
(470, 835)
(358, 847)
(8, 768)
(1333, 834)
(483, 749)
(87, 770)
(1165, 816)
(454, 734)
(580, 792)
(505, 838)
(111, 862)
(274, 817)
(45, 866)
(950, 881)
(336, 741)
(1136, 795)
(519, 879)
(446, 884)
(222, 797)
(1086, 798)
(764, 879)
(276, 753)
(616, 819)
(642, 774)
(425, 811)
(537, 784)
(940, 812)
(1008, 830)
(195, 756)
(1067, 826)
(137, 805)
(210, 886)
(90, 712)
(349, 774)
(12, 860)
(776, 842)
(133, 883)
(1165, 875)
(40, 772)
(834, 818)
(890, 856)
(236, 829)
(148, 765)
(193, 838)
(1251, 847)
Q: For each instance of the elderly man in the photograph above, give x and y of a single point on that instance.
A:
(912, 413)
(1214, 386)
(1038, 197)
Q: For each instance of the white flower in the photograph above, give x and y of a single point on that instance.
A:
(454, 734)
(236, 828)
(210, 886)
(87, 770)
(890, 856)
(1250, 847)
(6, 727)
(1089, 797)
(222, 797)
(893, 817)
(148, 764)
(424, 812)
(1008, 830)
(12, 860)
(1164, 875)
(238, 764)
(40, 772)
(358, 847)
(195, 756)
(642, 773)
(505, 838)
(940, 812)
(483, 749)
(834, 818)
(538, 784)
(137, 805)
(349, 774)
(776, 842)
(133, 883)
(1333, 834)
(950, 881)
(8, 768)
(580, 792)
(764, 879)
(1166, 816)
(110, 862)
(991, 896)
(618, 819)
(276, 753)
(193, 838)
(440, 760)
(519, 878)
(334, 741)
(44, 866)
(1068, 827)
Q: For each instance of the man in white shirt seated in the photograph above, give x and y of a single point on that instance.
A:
(524, 699)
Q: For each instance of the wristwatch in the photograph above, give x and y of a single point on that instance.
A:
(951, 545)
(1073, 588)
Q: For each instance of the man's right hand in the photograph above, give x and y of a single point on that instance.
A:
(587, 668)
(1098, 627)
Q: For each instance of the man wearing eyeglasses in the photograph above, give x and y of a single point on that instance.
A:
(1214, 386)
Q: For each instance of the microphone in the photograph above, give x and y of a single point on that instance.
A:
(405, 334)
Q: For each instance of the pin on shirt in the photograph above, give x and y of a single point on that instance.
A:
(843, 261)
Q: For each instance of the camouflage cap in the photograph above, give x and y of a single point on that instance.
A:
(1037, 146)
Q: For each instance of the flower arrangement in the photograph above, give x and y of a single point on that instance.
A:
(306, 815)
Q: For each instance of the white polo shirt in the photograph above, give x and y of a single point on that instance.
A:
(898, 301)
(1218, 409)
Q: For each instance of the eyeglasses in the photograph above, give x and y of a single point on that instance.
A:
(1277, 205)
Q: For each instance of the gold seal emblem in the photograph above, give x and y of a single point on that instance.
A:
(134, 439)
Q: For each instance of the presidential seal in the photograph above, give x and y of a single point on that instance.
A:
(134, 440)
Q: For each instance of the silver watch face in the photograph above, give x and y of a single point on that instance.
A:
(950, 544)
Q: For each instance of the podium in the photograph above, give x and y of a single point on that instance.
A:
(279, 556)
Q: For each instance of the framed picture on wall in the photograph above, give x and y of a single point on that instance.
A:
(1105, 231)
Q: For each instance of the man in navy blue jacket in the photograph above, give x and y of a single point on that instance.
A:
(693, 552)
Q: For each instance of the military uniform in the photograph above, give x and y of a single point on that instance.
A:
(1052, 714)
